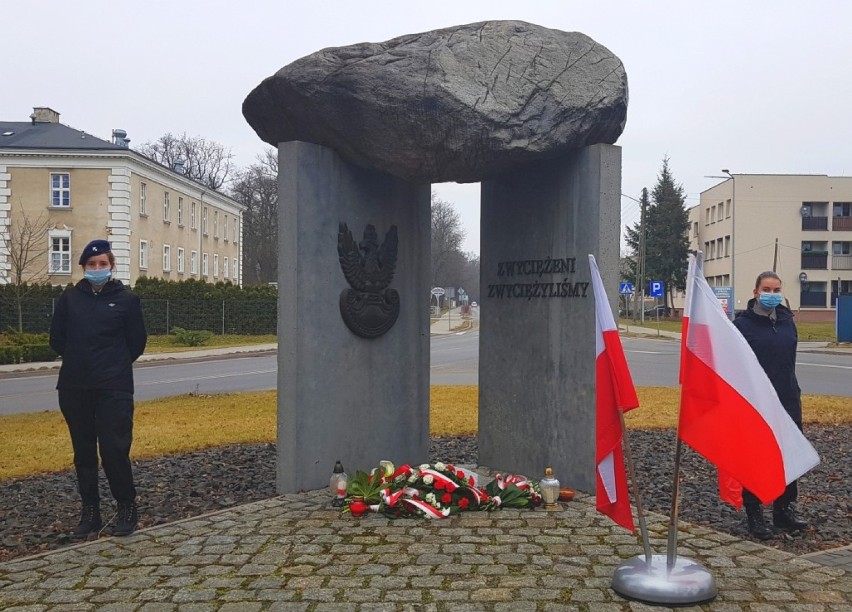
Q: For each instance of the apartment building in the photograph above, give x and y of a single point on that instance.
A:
(160, 223)
(798, 225)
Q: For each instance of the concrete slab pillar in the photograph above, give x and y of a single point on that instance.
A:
(341, 396)
(537, 325)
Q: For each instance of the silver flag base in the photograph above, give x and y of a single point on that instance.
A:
(687, 583)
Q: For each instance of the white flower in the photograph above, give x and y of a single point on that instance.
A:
(424, 466)
(440, 466)
(428, 479)
(430, 498)
(413, 478)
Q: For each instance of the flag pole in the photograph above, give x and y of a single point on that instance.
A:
(671, 554)
(643, 529)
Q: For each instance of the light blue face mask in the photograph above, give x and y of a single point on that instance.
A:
(770, 300)
(98, 277)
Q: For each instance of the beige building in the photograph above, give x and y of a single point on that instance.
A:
(798, 225)
(160, 223)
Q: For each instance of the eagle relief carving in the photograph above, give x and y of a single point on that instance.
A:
(368, 307)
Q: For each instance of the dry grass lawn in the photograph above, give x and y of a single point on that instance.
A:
(37, 443)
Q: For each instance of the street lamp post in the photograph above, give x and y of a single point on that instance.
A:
(733, 233)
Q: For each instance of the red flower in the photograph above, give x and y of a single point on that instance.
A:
(446, 498)
(471, 481)
(460, 474)
(438, 484)
(463, 503)
(451, 468)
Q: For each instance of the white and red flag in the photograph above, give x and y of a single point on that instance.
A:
(729, 410)
(615, 392)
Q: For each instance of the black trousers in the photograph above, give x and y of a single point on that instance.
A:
(100, 419)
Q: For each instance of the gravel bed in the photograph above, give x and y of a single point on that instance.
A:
(37, 513)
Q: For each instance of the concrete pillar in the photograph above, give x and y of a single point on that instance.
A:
(537, 326)
(341, 396)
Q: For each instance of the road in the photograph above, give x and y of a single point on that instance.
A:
(454, 361)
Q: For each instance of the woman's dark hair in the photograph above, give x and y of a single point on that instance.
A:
(767, 274)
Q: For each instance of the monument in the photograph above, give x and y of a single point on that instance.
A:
(362, 132)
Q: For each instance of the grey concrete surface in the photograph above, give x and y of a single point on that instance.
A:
(342, 395)
(537, 342)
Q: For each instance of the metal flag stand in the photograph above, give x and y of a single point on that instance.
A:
(663, 579)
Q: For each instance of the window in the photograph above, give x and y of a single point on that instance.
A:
(224, 267)
(180, 260)
(235, 274)
(180, 212)
(695, 228)
(143, 254)
(225, 232)
(60, 190)
(215, 223)
(235, 230)
(706, 216)
(728, 209)
(216, 265)
(167, 258)
(842, 209)
(166, 206)
(193, 262)
(143, 199)
(727, 246)
(193, 216)
(204, 220)
(60, 252)
(205, 264)
(840, 248)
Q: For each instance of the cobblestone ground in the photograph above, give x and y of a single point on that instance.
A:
(296, 553)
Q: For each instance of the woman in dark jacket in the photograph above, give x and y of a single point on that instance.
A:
(769, 329)
(98, 329)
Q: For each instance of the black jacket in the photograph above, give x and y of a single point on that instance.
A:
(99, 336)
(774, 345)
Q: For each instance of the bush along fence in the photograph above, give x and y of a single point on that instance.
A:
(191, 306)
(246, 317)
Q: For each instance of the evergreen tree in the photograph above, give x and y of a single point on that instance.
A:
(666, 241)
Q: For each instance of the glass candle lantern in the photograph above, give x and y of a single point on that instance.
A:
(339, 483)
(549, 490)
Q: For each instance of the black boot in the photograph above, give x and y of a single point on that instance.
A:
(756, 525)
(90, 521)
(784, 517)
(127, 519)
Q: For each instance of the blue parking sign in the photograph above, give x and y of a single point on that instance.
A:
(656, 288)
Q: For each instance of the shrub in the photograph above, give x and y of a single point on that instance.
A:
(191, 337)
(37, 352)
(10, 354)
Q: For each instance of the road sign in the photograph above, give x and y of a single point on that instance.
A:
(625, 288)
(438, 291)
(656, 288)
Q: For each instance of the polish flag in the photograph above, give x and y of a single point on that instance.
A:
(615, 392)
(729, 411)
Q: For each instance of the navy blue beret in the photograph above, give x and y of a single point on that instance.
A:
(95, 247)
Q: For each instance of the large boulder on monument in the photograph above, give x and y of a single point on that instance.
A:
(458, 104)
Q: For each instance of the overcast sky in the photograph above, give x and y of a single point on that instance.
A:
(756, 87)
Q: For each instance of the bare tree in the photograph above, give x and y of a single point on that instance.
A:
(203, 160)
(28, 256)
(447, 237)
(257, 188)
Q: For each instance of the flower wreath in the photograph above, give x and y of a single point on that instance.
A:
(436, 491)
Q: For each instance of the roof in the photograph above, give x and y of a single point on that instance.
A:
(44, 135)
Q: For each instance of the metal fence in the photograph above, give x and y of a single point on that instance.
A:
(245, 317)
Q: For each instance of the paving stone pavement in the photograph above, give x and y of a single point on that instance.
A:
(295, 552)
